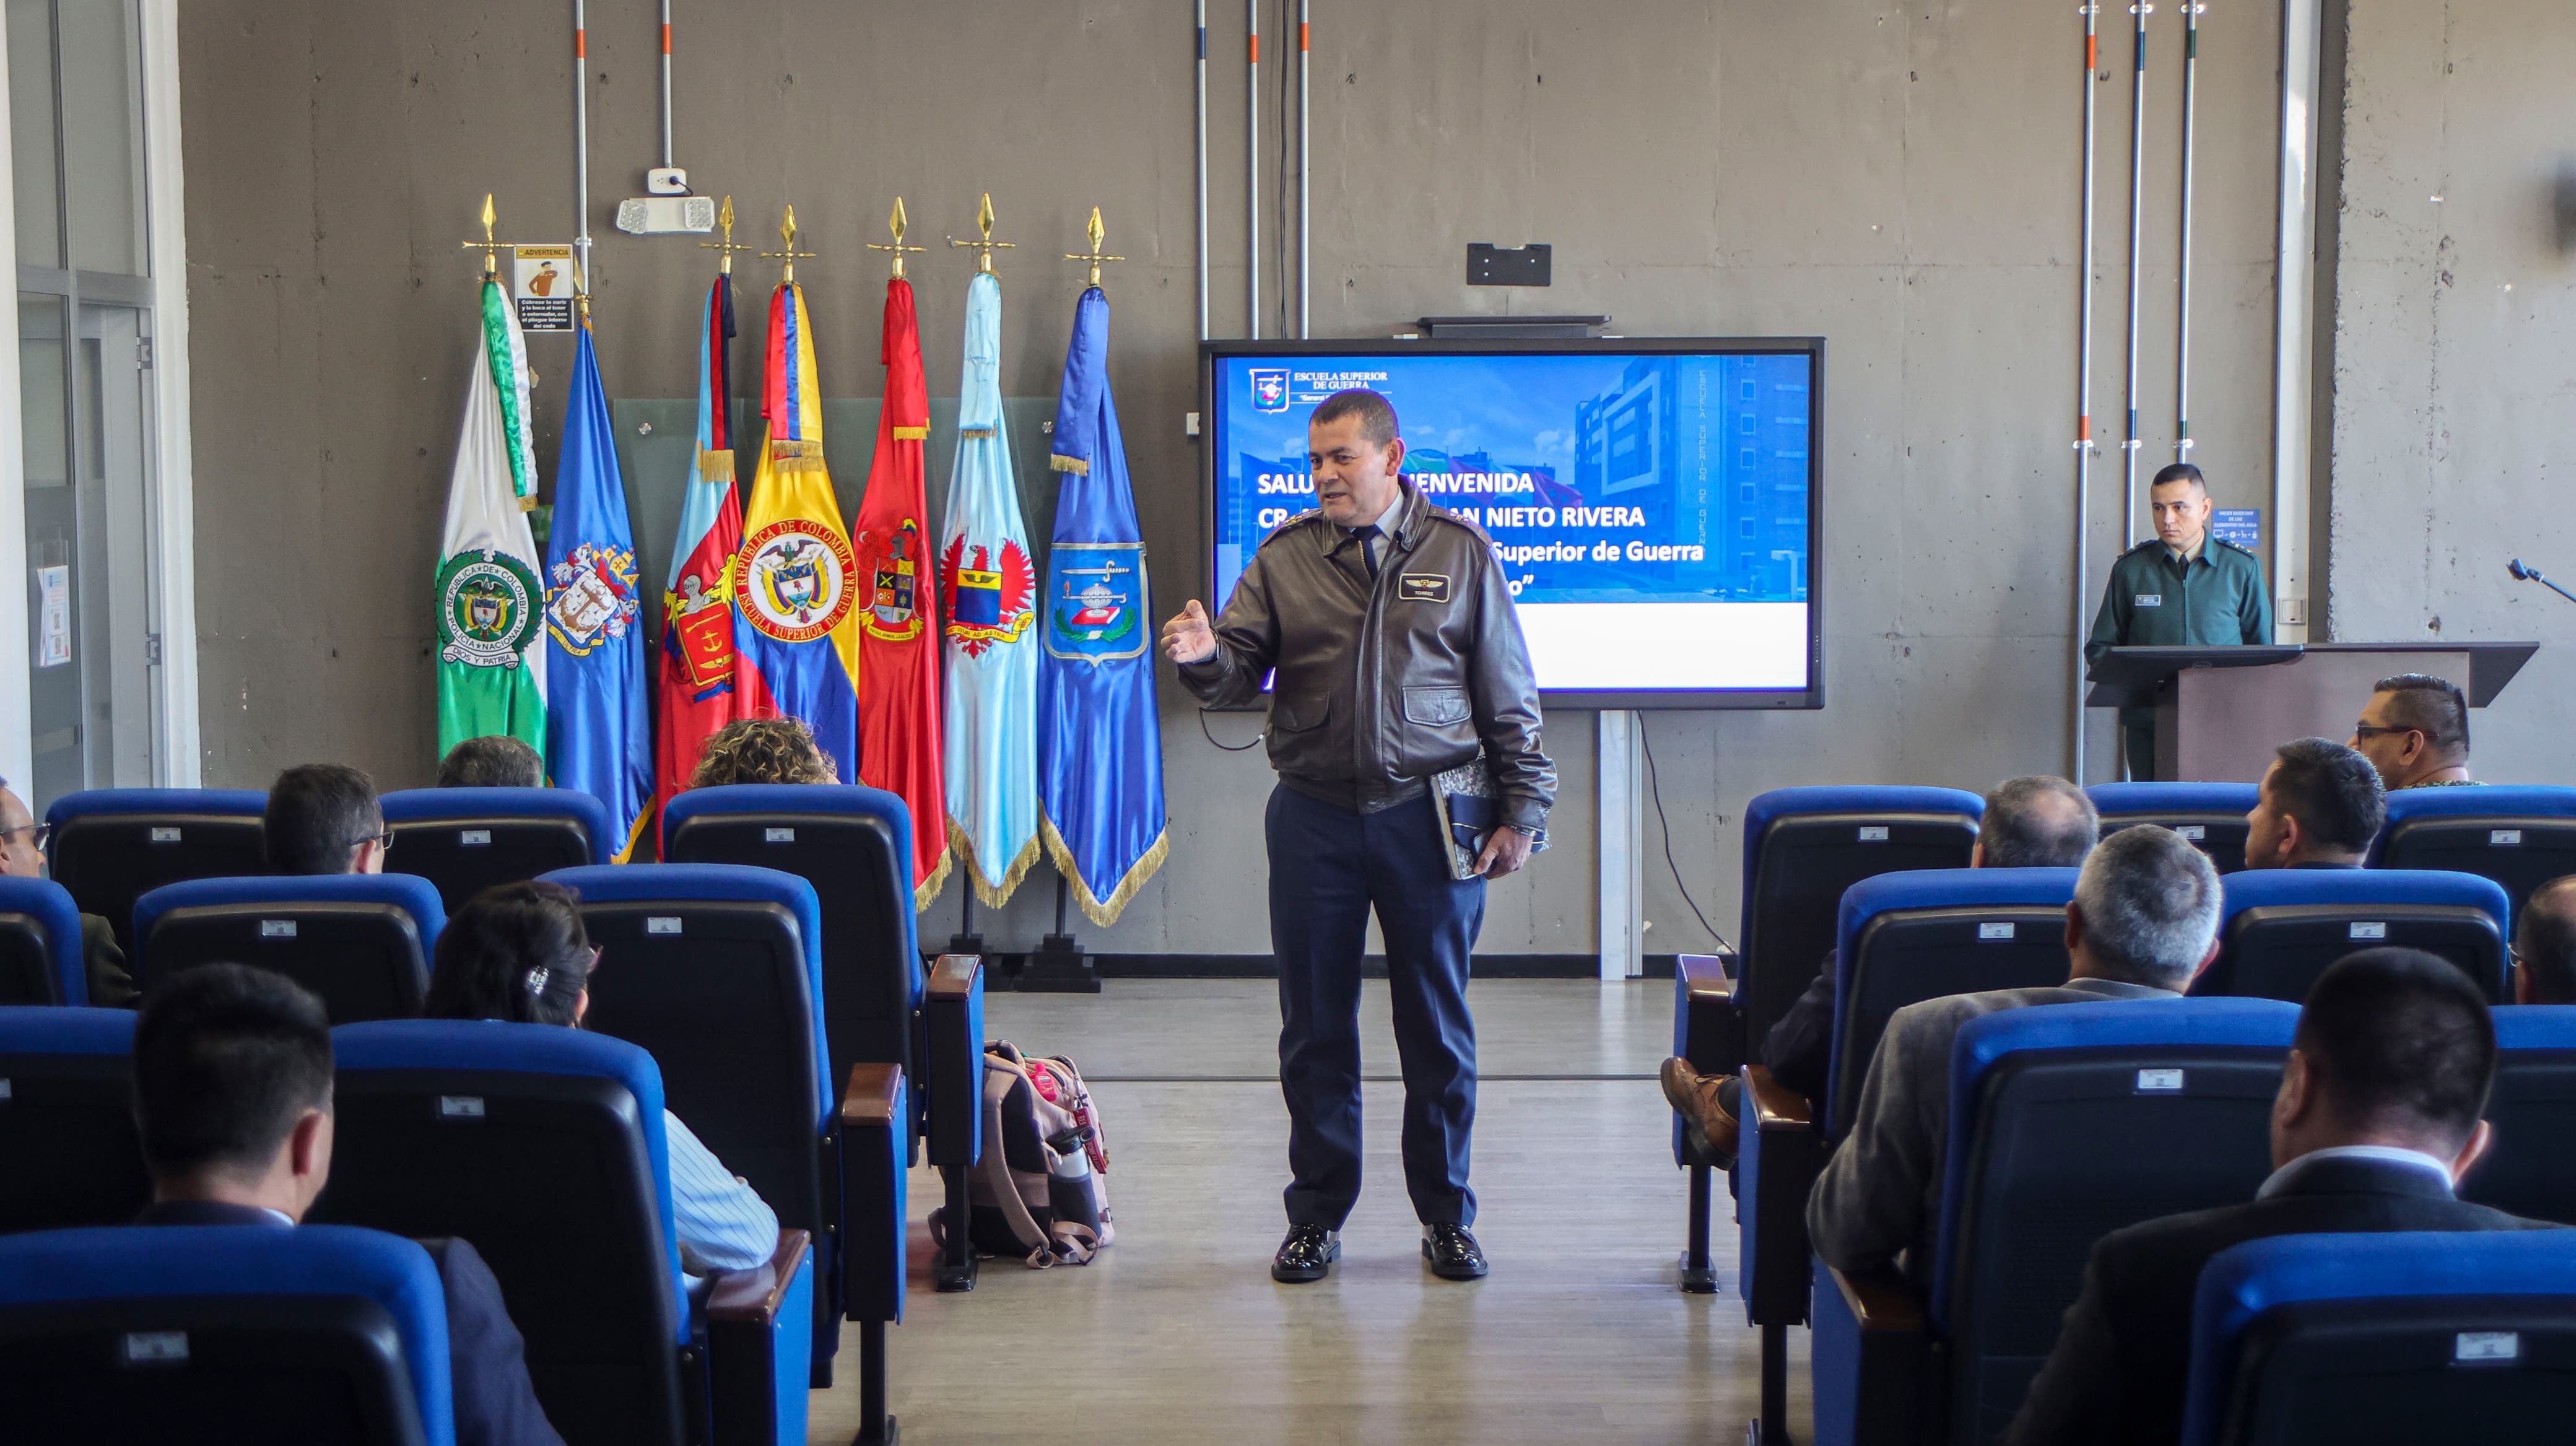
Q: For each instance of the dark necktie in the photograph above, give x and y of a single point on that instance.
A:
(1366, 537)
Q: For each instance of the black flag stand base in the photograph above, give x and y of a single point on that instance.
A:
(1059, 966)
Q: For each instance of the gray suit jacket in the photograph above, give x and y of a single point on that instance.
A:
(1881, 1192)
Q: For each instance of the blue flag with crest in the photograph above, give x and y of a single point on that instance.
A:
(599, 732)
(1100, 742)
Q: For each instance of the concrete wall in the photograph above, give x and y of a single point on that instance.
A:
(1902, 180)
(2455, 348)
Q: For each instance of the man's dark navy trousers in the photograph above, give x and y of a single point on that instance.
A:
(1329, 866)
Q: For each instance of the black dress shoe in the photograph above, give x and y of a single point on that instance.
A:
(1306, 1255)
(1452, 1252)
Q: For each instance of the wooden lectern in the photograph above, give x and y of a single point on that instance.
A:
(2221, 711)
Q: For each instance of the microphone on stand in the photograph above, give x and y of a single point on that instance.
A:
(2522, 573)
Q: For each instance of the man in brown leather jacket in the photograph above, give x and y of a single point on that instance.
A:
(1398, 656)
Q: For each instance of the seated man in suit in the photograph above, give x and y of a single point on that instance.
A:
(232, 1096)
(22, 856)
(2415, 728)
(493, 761)
(2319, 806)
(763, 750)
(2035, 822)
(2544, 945)
(2377, 1117)
(2144, 921)
(323, 818)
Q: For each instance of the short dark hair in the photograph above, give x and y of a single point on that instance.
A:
(1376, 413)
(494, 761)
(2181, 472)
(2038, 822)
(316, 814)
(2150, 903)
(2544, 941)
(226, 1058)
(2431, 706)
(516, 952)
(2332, 791)
(2400, 1040)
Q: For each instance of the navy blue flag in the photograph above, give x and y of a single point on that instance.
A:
(1100, 742)
(599, 731)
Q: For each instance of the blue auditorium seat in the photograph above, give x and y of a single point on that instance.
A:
(716, 970)
(854, 845)
(324, 1336)
(2211, 815)
(40, 944)
(1802, 848)
(464, 840)
(2529, 1169)
(1902, 938)
(362, 942)
(2399, 1337)
(2066, 1122)
(111, 846)
(2283, 927)
(68, 1151)
(545, 1147)
(2519, 836)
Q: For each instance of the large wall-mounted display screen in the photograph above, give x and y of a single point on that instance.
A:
(1653, 501)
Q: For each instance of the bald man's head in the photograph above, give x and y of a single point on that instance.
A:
(2544, 945)
(2037, 822)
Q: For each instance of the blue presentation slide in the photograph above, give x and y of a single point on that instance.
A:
(1671, 487)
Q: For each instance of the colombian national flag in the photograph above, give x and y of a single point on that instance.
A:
(797, 589)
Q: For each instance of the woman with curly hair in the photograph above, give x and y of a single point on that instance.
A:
(763, 750)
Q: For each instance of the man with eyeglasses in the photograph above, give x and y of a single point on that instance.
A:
(2544, 945)
(22, 856)
(323, 819)
(2415, 731)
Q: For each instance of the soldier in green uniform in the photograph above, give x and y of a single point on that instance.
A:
(2185, 589)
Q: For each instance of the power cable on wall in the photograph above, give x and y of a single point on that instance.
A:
(1655, 789)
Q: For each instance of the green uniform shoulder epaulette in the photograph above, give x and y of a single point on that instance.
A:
(2143, 546)
(2234, 546)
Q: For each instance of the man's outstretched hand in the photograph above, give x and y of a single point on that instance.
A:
(1187, 638)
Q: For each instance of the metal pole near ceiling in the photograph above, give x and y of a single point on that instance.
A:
(2137, 226)
(581, 144)
(1252, 169)
(2191, 12)
(2293, 346)
(1305, 151)
(1202, 158)
(2084, 407)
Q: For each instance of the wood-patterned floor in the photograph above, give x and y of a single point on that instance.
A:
(1178, 1334)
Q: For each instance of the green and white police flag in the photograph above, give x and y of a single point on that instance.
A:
(491, 602)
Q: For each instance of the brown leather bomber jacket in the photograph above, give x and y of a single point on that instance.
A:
(1382, 684)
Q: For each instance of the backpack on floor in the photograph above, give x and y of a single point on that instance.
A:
(1036, 1191)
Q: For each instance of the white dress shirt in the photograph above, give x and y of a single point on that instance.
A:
(2280, 1178)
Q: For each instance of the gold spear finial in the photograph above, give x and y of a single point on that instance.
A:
(985, 248)
(896, 224)
(580, 291)
(724, 249)
(787, 235)
(1095, 255)
(490, 248)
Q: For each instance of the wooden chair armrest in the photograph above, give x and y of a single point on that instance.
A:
(1775, 1106)
(869, 1100)
(1879, 1302)
(952, 976)
(752, 1296)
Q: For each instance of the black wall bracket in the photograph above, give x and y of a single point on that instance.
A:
(1514, 266)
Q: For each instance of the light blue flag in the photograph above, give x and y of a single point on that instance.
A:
(989, 586)
(1100, 743)
(599, 737)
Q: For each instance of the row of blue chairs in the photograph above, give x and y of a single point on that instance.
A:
(543, 1146)
(2076, 1120)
